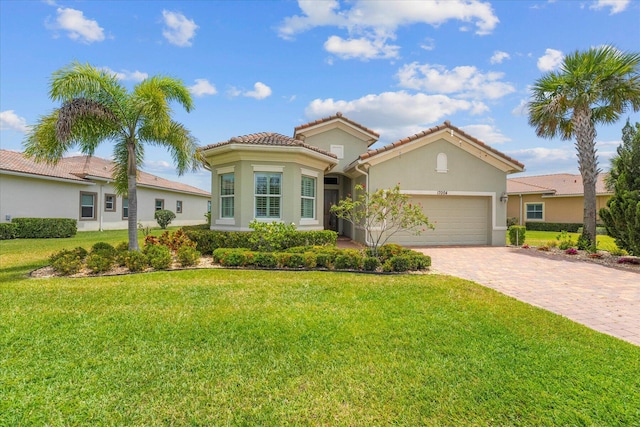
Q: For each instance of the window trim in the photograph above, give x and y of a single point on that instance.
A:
(155, 205)
(178, 206)
(312, 198)
(94, 210)
(526, 211)
(123, 208)
(113, 207)
(268, 196)
(231, 196)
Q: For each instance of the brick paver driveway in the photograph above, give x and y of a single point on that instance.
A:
(602, 298)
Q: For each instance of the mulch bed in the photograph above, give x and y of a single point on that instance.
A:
(602, 257)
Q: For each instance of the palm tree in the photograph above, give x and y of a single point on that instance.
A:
(97, 108)
(594, 86)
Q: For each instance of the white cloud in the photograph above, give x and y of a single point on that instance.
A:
(260, 91)
(486, 133)
(376, 22)
(77, 26)
(158, 166)
(551, 60)
(395, 114)
(465, 81)
(499, 56)
(428, 44)
(9, 120)
(135, 76)
(361, 48)
(178, 30)
(202, 88)
(521, 109)
(616, 6)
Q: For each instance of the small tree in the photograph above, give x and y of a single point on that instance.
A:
(164, 217)
(621, 217)
(382, 214)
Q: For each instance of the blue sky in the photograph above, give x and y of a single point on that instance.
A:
(397, 67)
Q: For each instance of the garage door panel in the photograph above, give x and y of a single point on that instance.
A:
(457, 220)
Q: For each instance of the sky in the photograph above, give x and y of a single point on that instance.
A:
(397, 67)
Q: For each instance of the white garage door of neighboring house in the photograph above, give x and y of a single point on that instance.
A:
(458, 221)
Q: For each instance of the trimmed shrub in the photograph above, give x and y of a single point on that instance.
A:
(79, 252)
(348, 259)
(99, 262)
(265, 260)
(136, 261)
(187, 256)
(388, 251)
(8, 231)
(164, 217)
(553, 226)
(159, 257)
(418, 260)
(67, 264)
(104, 248)
(512, 221)
(44, 228)
(230, 257)
(371, 263)
(121, 251)
(517, 235)
(400, 263)
(325, 257)
(310, 260)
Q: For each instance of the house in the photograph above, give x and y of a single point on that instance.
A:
(81, 188)
(555, 198)
(459, 180)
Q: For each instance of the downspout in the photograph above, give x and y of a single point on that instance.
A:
(520, 208)
(100, 201)
(367, 241)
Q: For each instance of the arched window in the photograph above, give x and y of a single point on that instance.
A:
(441, 163)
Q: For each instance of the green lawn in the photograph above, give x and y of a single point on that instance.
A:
(541, 238)
(231, 347)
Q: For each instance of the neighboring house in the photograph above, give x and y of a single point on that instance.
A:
(556, 198)
(459, 180)
(81, 188)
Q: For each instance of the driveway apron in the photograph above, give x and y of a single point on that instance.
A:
(603, 298)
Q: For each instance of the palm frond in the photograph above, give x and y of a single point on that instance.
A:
(73, 112)
(181, 144)
(41, 142)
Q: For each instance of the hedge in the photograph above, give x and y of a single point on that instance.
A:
(553, 226)
(8, 231)
(44, 228)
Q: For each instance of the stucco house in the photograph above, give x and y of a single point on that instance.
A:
(459, 180)
(81, 187)
(554, 198)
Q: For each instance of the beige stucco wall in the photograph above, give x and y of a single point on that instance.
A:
(352, 146)
(43, 198)
(555, 209)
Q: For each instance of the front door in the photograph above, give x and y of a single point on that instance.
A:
(330, 219)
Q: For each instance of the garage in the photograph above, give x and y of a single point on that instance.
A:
(458, 220)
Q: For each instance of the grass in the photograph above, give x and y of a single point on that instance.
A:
(541, 238)
(231, 347)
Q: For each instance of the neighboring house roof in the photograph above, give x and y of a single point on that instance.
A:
(446, 125)
(82, 169)
(371, 135)
(268, 138)
(560, 184)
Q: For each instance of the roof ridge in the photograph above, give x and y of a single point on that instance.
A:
(338, 115)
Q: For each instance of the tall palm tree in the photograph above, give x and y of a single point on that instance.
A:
(97, 108)
(591, 87)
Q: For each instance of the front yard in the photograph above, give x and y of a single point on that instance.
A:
(233, 347)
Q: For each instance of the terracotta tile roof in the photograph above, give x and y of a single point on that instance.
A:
(81, 168)
(445, 125)
(338, 115)
(268, 138)
(560, 184)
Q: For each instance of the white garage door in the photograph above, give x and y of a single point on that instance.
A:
(458, 221)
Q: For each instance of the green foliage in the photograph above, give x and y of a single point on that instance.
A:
(79, 252)
(159, 256)
(584, 244)
(290, 260)
(382, 213)
(271, 236)
(565, 240)
(45, 228)
(553, 226)
(621, 217)
(8, 231)
(187, 256)
(67, 264)
(370, 263)
(348, 259)
(103, 247)
(164, 217)
(517, 235)
(231, 257)
(99, 262)
(400, 263)
(136, 261)
(265, 260)
(512, 221)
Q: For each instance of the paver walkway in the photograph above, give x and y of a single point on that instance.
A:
(602, 298)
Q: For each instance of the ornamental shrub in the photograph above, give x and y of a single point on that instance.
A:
(78, 252)
(348, 259)
(265, 260)
(371, 263)
(418, 260)
(159, 257)
(565, 240)
(41, 228)
(136, 261)
(99, 262)
(517, 234)
(67, 264)
(187, 256)
(271, 236)
(164, 217)
(310, 260)
(8, 231)
(103, 248)
(231, 257)
(400, 263)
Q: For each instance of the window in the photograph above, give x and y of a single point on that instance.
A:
(159, 204)
(535, 211)
(87, 205)
(178, 206)
(227, 193)
(109, 202)
(441, 163)
(125, 208)
(209, 206)
(308, 193)
(268, 190)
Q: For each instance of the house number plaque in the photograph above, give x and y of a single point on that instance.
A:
(442, 192)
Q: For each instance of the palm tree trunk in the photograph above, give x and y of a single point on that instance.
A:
(588, 164)
(132, 191)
